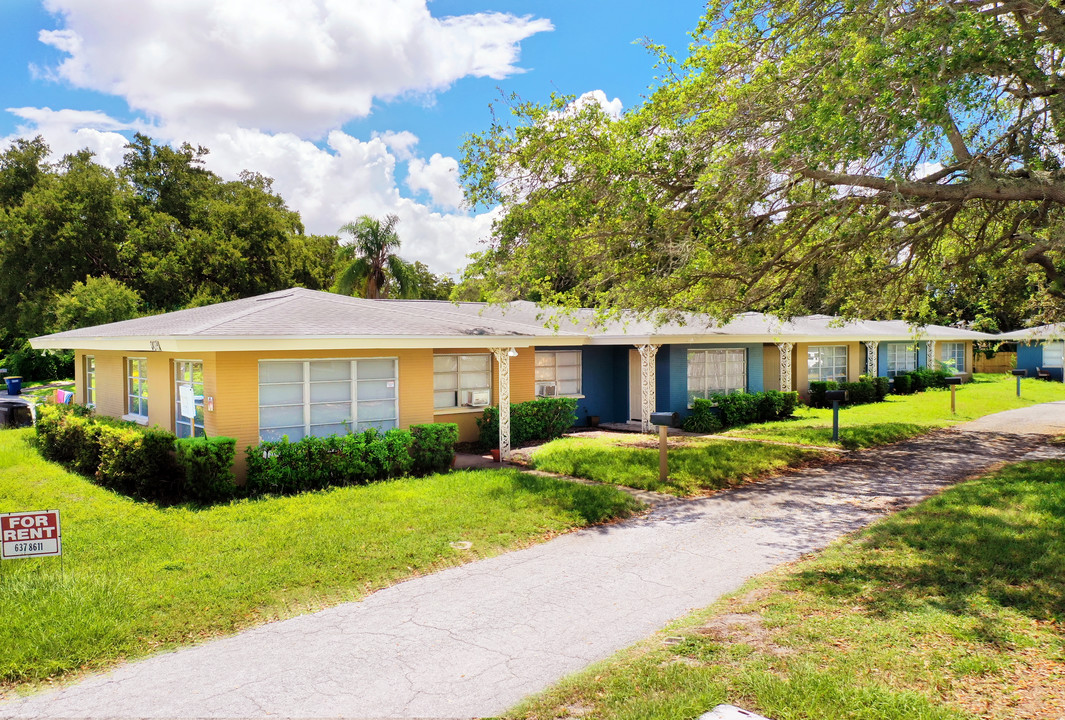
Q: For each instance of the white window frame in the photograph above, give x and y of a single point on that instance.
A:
(90, 380)
(195, 424)
(546, 373)
(142, 387)
(817, 373)
(353, 422)
(1059, 348)
(704, 355)
(895, 351)
(954, 356)
(459, 388)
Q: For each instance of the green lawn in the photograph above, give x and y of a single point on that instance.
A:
(138, 577)
(903, 416)
(953, 609)
(695, 466)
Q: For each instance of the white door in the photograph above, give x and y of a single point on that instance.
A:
(635, 387)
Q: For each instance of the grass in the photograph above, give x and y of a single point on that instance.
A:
(138, 577)
(41, 390)
(696, 466)
(904, 416)
(953, 609)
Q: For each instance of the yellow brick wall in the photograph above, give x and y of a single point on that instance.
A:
(801, 368)
(522, 388)
(771, 367)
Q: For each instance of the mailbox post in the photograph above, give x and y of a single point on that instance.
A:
(1019, 374)
(836, 396)
(954, 382)
(664, 421)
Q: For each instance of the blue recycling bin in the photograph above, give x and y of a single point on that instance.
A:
(14, 384)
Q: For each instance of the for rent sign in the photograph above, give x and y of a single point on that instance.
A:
(30, 534)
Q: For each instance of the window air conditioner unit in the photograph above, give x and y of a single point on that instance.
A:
(475, 398)
(545, 390)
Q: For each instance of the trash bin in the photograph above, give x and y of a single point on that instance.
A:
(14, 384)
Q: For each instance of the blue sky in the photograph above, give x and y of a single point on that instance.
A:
(353, 107)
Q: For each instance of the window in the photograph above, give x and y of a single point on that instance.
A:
(188, 374)
(901, 358)
(954, 356)
(137, 388)
(90, 380)
(716, 371)
(558, 373)
(462, 381)
(827, 362)
(1053, 354)
(298, 398)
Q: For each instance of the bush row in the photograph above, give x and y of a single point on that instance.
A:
(541, 419)
(722, 411)
(920, 379)
(148, 463)
(282, 467)
(865, 390)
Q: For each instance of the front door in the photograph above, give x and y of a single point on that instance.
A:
(635, 387)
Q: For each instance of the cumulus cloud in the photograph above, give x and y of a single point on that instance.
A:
(439, 177)
(301, 66)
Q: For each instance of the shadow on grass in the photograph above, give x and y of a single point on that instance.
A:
(593, 503)
(997, 540)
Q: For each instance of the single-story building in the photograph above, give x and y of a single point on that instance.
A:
(300, 362)
(1040, 349)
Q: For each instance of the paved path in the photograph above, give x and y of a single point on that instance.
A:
(473, 640)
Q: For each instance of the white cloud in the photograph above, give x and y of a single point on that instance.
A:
(595, 97)
(400, 143)
(302, 66)
(328, 186)
(439, 177)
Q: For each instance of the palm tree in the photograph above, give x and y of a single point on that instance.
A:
(369, 264)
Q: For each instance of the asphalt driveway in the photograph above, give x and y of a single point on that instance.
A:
(473, 640)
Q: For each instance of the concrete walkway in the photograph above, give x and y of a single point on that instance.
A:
(474, 640)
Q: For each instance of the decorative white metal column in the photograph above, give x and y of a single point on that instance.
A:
(647, 384)
(872, 364)
(786, 350)
(503, 356)
(930, 361)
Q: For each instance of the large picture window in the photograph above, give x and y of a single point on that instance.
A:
(188, 374)
(462, 381)
(298, 398)
(901, 358)
(558, 372)
(712, 372)
(90, 380)
(1054, 354)
(827, 362)
(954, 356)
(137, 388)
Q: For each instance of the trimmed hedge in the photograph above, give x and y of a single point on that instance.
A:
(433, 447)
(208, 467)
(903, 385)
(281, 467)
(127, 458)
(540, 419)
(740, 409)
(865, 390)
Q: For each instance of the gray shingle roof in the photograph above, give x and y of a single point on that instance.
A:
(1042, 332)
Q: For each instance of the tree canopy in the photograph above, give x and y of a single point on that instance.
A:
(370, 265)
(865, 157)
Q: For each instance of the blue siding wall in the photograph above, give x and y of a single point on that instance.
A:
(1029, 357)
(604, 383)
(674, 396)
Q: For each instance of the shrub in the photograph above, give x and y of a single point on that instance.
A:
(704, 417)
(433, 447)
(137, 461)
(859, 393)
(541, 419)
(282, 467)
(903, 385)
(818, 388)
(881, 387)
(33, 364)
(206, 466)
(776, 405)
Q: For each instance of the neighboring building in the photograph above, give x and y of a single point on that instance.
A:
(301, 362)
(1040, 348)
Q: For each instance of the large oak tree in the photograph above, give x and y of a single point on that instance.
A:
(859, 156)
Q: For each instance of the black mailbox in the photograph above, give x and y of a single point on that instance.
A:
(1020, 373)
(955, 380)
(669, 419)
(836, 395)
